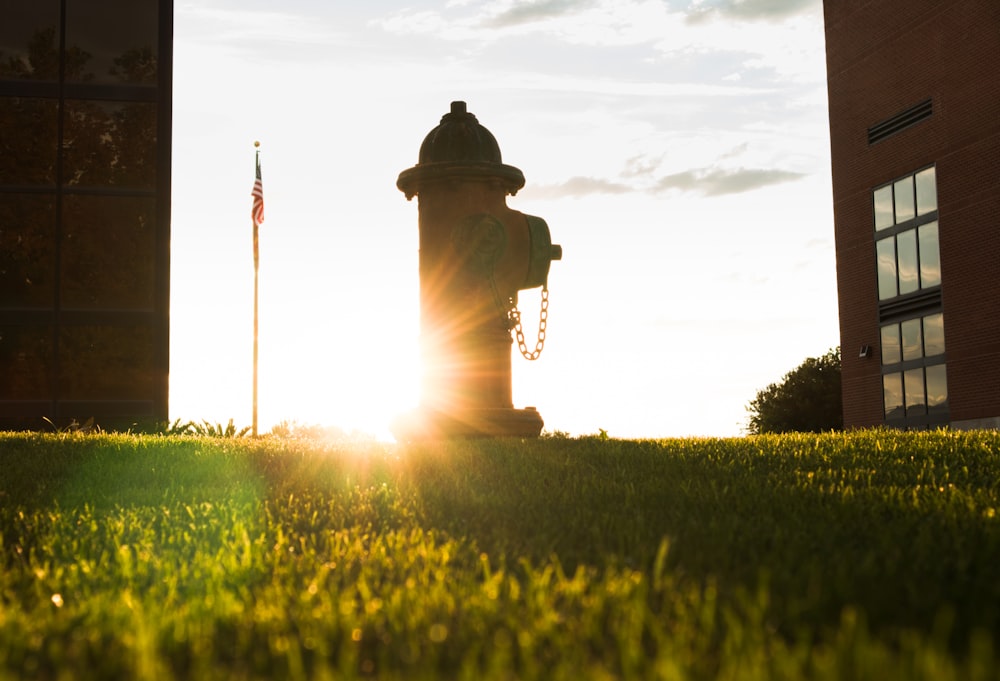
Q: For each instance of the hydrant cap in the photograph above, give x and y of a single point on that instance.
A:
(460, 148)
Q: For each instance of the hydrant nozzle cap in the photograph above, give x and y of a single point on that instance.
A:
(459, 148)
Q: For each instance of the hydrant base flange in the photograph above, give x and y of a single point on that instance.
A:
(424, 424)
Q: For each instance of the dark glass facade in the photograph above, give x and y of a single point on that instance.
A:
(85, 116)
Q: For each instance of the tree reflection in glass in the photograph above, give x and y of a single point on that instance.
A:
(892, 394)
(937, 388)
(913, 383)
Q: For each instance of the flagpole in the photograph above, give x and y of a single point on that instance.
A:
(256, 267)
(257, 215)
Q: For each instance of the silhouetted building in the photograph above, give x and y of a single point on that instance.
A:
(914, 96)
(85, 117)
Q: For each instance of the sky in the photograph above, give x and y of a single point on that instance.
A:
(678, 150)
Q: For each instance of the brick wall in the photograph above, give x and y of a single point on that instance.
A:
(884, 56)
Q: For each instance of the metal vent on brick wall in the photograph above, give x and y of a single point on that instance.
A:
(899, 122)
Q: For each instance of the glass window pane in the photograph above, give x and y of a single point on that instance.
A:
(910, 332)
(105, 363)
(29, 39)
(890, 344)
(28, 157)
(937, 389)
(110, 144)
(108, 252)
(27, 250)
(926, 191)
(930, 256)
(906, 257)
(885, 253)
(882, 200)
(934, 335)
(892, 394)
(25, 362)
(913, 386)
(119, 38)
(903, 198)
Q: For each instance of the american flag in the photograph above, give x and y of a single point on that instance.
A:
(258, 197)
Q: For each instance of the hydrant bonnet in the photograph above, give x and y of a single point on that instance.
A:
(459, 147)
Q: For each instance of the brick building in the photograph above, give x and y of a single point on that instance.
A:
(85, 118)
(914, 96)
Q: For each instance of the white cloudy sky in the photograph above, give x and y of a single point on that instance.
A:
(678, 150)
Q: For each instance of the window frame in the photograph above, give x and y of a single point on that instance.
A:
(895, 311)
(894, 230)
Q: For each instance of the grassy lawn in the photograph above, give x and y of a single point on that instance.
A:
(870, 555)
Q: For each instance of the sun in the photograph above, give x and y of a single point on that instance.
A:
(341, 379)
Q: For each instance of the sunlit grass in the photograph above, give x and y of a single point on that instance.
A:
(870, 555)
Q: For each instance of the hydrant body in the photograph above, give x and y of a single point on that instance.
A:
(476, 253)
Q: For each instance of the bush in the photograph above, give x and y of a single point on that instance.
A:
(806, 400)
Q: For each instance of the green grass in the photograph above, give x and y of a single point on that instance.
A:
(871, 555)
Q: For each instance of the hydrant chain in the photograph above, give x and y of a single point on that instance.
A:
(511, 317)
(543, 320)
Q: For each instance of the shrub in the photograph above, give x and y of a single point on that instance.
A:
(806, 400)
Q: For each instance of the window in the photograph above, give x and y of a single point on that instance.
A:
(27, 250)
(119, 38)
(916, 398)
(911, 326)
(108, 254)
(906, 229)
(30, 29)
(914, 384)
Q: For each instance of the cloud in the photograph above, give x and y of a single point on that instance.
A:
(605, 23)
(577, 186)
(720, 181)
(675, 41)
(736, 151)
(700, 181)
(763, 10)
(640, 166)
(530, 11)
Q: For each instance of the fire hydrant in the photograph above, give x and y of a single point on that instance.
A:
(476, 253)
